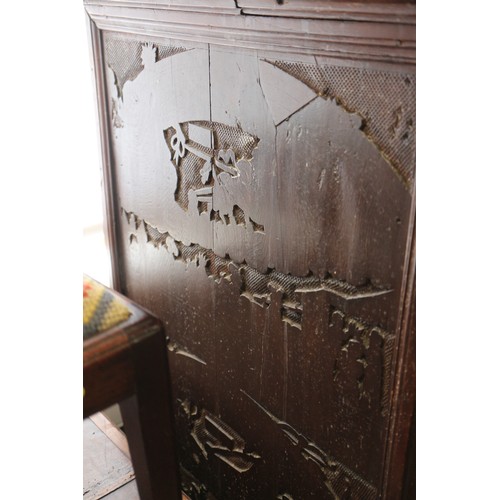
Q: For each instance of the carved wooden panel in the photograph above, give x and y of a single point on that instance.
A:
(262, 201)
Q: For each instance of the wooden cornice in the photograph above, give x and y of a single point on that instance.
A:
(363, 32)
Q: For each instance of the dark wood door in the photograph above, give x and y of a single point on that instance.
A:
(259, 166)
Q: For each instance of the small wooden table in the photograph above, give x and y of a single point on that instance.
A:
(127, 364)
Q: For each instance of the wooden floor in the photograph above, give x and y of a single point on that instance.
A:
(107, 469)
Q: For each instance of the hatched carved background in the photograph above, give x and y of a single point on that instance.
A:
(264, 207)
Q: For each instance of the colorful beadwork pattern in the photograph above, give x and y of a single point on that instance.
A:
(101, 309)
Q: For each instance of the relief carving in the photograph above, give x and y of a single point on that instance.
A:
(116, 120)
(127, 58)
(215, 437)
(363, 340)
(206, 156)
(193, 487)
(183, 351)
(384, 100)
(341, 482)
(256, 286)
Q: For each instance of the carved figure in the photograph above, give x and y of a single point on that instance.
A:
(206, 155)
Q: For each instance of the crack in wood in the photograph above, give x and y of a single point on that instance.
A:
(371, 95)
(201, 151)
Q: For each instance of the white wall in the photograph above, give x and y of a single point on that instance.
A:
(48, 192)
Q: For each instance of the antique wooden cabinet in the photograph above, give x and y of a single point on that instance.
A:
(259, 164)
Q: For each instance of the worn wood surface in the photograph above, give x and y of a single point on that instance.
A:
(113, 432)
(105, 467)
(262, 178)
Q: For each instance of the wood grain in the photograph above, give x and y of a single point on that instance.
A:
(115, 435)
(263, 181)
(105, 467)
(389, 41)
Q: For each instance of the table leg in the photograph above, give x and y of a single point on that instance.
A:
(148, 422)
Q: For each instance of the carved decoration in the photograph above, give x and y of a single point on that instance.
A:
(273, 81)
(362, 338)
(256, 286)
(203, 153)
(183, 351)
(384, 100)
(215, 437)
(193, 487)
(348, 335)
(127, 58)
(115, 117)
(341, 481)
